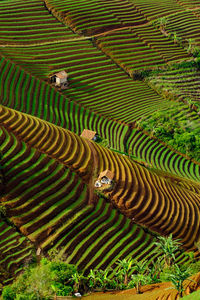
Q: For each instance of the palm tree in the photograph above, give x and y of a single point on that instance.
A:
(168, 247)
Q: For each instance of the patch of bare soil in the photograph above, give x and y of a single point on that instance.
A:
(157, 291)
(149, 292)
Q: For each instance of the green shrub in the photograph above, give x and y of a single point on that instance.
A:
(35, 281)
(26, 297)
(165, 274)
(61, 289)
(194, 267)
(182, 135)
(42, 282)
(60, 271)
(9, 293)
(111, 284)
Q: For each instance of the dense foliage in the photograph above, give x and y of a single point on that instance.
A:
(181, 134)
(42, 281)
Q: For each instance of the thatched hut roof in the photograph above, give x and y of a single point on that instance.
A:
(61, 75)
(89, 134)
(107, 173)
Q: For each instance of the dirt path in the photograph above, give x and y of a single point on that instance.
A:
(163, 290)
(149, 292)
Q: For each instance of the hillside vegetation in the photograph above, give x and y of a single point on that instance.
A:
(133, 78)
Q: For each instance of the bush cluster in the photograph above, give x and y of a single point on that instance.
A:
(181, 134)
(41, 282)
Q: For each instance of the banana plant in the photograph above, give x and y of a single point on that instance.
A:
(76, 278)
(138, 280)
(125, 266)
(177, 278)
(168, 247)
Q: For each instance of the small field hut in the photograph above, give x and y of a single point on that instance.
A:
(89, 134)
(106, 177)
(60, 79)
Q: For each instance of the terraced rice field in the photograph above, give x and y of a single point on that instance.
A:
(49, 204)
(160, 157)
(94, 81)
(95, 17)
(189, 169)
(54, 106)
(132, 52)
(150, 199)
(180, 84)
(19, 89)
(48, 171)
(29, 23)
(67, 148)
(91, 73)
(163, 204)
(189, 3)
(186, 25)
(16, 251)
(157, 9)
(160, 43)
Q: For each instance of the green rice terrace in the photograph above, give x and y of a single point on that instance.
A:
(99, 149)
